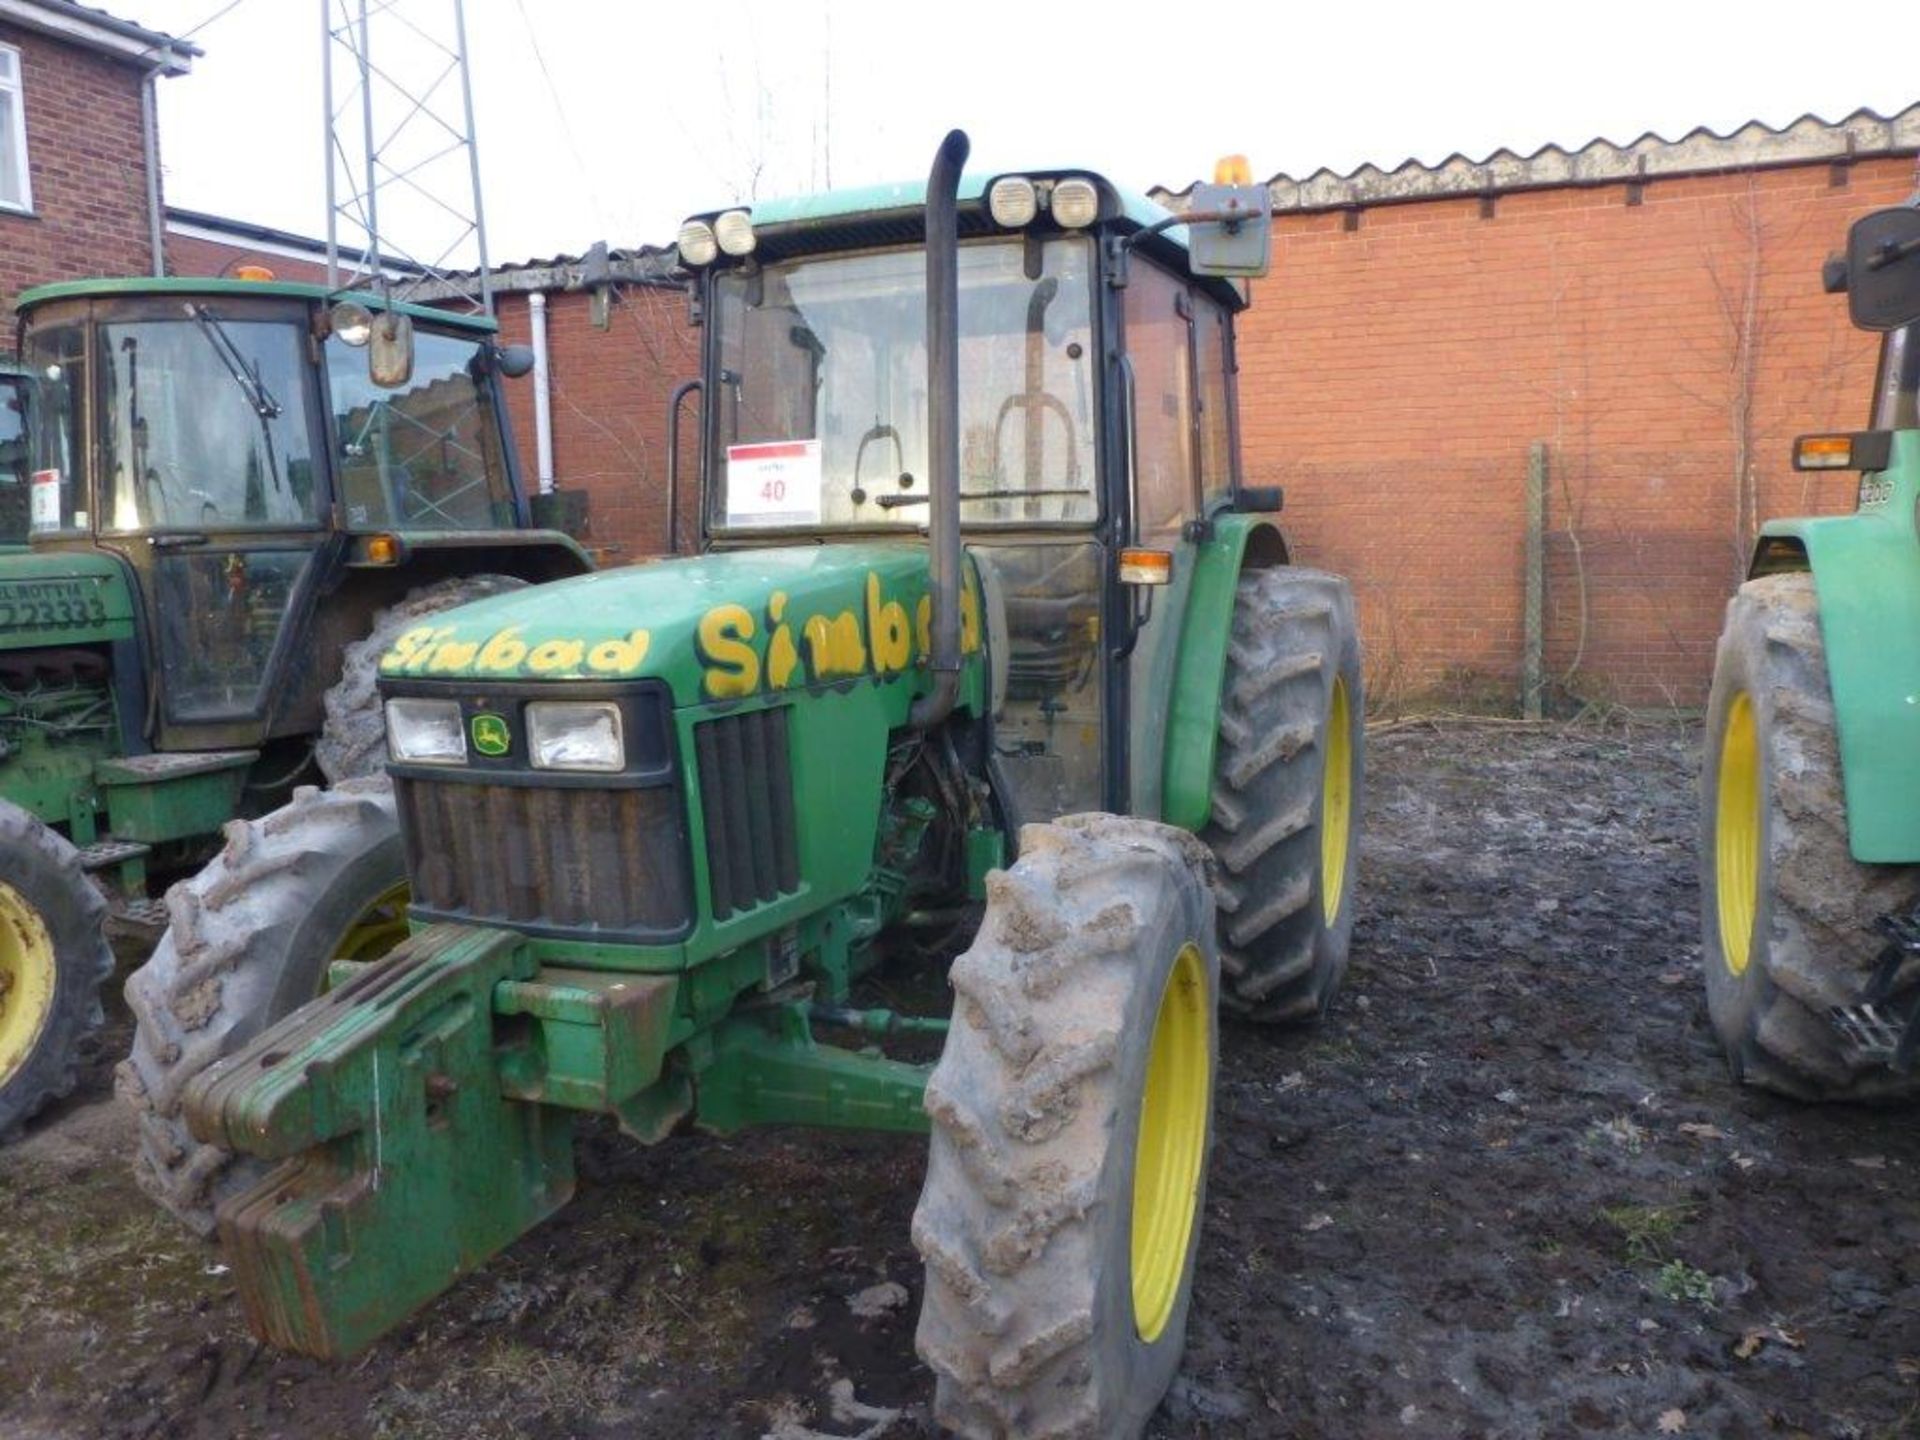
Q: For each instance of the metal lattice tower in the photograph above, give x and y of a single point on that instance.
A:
(403, 168)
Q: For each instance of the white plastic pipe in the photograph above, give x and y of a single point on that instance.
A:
(542, 400)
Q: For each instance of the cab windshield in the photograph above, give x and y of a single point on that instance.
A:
(205, 424)
(425, 455)
(821, 401)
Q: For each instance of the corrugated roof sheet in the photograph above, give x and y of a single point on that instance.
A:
(1753, 145)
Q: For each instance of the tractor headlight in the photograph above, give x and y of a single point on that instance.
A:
(1076, 204)
(1012, 202)
(426, 732)
(352, 322)
(575, 735)
(697, 245)
(734, 231)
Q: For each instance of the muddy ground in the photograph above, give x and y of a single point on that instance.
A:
(1504, 1190)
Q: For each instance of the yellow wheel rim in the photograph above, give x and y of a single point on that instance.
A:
(1336, 803)
(381, 926)
(1173, 1134)
(1736, 833)
(28, 976)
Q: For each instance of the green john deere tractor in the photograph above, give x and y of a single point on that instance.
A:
(233, 493)
(978, 580)
(1810, 792)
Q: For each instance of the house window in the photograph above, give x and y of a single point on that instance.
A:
(15, 191)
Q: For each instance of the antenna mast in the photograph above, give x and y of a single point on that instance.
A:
(402, 160)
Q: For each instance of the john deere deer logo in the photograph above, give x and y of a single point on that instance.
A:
(490, 734)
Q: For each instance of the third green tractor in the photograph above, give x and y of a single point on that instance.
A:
(1810, 813)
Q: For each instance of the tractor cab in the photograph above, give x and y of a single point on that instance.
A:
(1095, 434)
(224, 449)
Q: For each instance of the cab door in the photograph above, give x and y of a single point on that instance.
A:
(1174, 341)
(208, 483)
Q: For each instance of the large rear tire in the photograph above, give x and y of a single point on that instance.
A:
(321, 878)
(353, 739)
(1786, 912)
(53, 958)
(1286, 793)
(1072, 1116)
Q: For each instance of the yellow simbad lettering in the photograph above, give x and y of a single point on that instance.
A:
(879, 637)
(619, 657)
(834, 646)
(733, 667)
(887, 629)
(550, 657)
(783, 655)
(411, 650)
(504, 652)
(969, 623)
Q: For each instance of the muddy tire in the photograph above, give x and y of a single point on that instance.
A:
(1786, 912)
(53, 958)
(250, 939)
(353, 740)
(1071, 1107)
(1286, 794)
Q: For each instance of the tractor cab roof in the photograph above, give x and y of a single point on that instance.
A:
(135, 287)
(891, 214)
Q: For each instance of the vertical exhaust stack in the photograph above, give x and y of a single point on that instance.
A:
(943, 427)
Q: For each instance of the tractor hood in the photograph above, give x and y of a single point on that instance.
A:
(718, 627)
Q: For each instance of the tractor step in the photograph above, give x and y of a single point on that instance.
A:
(105, 854)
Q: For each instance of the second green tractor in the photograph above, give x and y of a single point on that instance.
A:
(1810, 790)
(983, 611)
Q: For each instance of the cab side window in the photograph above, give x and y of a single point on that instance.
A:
(1210, 333)
(1157, 341)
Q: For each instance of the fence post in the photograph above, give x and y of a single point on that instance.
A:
(1531, 684)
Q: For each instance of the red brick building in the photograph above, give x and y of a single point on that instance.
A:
(79, 181)
(1650, 313)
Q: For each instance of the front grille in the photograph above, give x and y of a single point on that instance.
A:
(581, 859)
(746, 795)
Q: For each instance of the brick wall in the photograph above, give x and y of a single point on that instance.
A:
(1393, 377)
(609, 395)
(87, 169)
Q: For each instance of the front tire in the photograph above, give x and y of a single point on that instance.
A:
(321, 878)
(53, 958)
(1786, 912)
(1288, 773)
(1072, 1116)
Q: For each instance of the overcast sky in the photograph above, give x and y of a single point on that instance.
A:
(610, 119)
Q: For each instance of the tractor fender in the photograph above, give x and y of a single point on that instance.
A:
(533, 555)
(1866, 574)
(1193, 715)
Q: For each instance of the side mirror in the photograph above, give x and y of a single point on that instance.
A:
(390, 350)
(1883, 268)
(1231, 232)
(513, 361)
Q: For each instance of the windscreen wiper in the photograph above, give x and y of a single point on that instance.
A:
(894, 502)
(246, 377)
